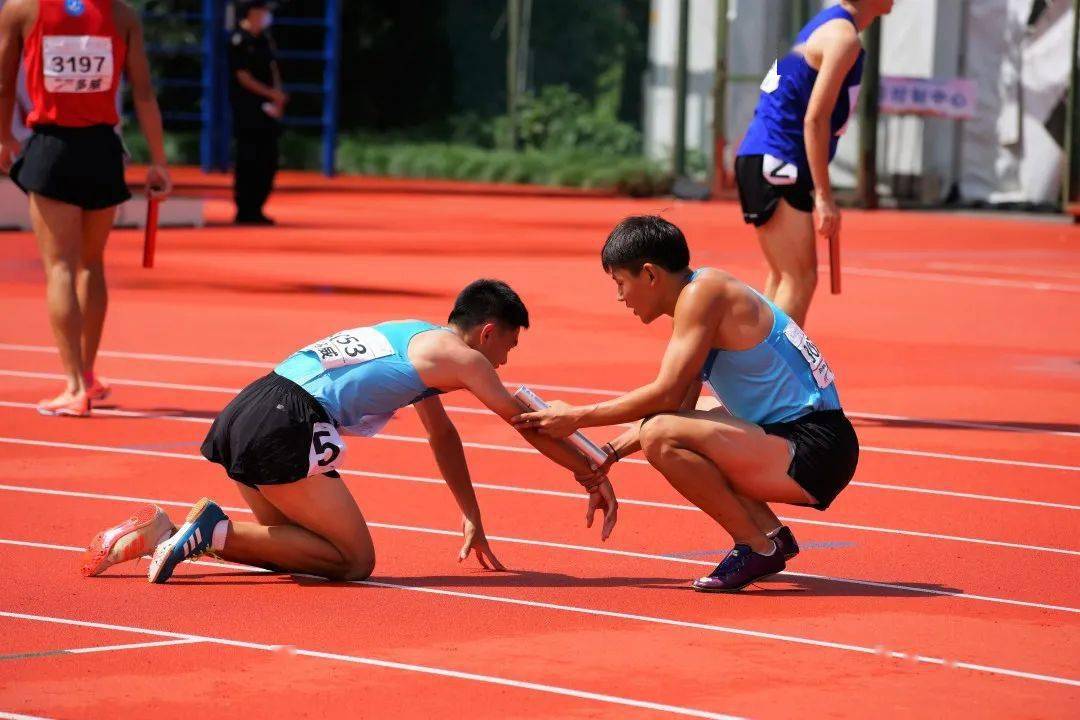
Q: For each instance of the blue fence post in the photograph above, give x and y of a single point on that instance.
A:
(332, 53)
(222, 115)
(208, 105)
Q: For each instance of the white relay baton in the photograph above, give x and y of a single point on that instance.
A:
(531, 401)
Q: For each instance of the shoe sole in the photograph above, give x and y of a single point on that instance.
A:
(64, 412)
(156, 572)
(736, 589)
(96, 559)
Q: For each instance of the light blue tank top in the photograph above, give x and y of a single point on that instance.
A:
(780, 379)
(777, 127)
(361, 376)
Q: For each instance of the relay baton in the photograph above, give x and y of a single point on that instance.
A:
(834, 263)
(584, 445)
(150, 238)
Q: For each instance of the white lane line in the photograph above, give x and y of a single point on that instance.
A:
(539, 543)
(227, 362)
(17, 716)
(556, 493)
(132, 646)
(669, 622)
(962, 279)
(95, 648)
(388, 664)
(1004, 270)
(636, 461)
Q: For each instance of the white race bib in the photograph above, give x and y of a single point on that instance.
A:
(777, 171)
(772, 79)
(351, 347)
(327, 449)
(77, 63)
(823, 375)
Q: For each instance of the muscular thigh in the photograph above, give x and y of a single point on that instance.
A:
(323, 505)
(58, 228)
(787, 239)
(753, 462)
(264, 511)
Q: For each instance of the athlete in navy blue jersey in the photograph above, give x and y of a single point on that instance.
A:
(805, 103)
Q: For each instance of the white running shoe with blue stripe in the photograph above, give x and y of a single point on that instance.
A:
(189, 542)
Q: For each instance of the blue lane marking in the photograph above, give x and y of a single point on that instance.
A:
(692, 554)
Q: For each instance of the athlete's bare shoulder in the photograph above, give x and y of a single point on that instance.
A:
(719, 284)
(439, 356)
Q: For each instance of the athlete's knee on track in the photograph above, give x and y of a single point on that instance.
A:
(357, 568)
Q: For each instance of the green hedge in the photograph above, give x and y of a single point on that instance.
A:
(377, 155)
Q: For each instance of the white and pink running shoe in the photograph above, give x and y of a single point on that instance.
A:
(66, 404)
(137, 536)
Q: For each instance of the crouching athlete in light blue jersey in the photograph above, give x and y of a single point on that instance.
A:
(782, 166)
(280, 439)
(781, 435)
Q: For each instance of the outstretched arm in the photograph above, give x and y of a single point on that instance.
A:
(477, 375)
(450, 456)
(696, 317)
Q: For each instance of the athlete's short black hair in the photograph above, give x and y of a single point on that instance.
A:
(644, 239)
(489, 300)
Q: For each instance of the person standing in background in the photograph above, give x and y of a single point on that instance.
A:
(258, 104)
(782, 165)
(72, 165)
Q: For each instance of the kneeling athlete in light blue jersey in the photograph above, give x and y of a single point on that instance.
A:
(280, 439)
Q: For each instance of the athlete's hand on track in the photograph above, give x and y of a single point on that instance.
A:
(475, 540)
(604, 500)
(9, 150)
(828, 217)
(557, 420)
(158, 181)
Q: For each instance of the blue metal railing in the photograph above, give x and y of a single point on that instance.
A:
(213, 114)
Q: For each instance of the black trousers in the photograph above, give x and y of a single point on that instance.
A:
(256, 165)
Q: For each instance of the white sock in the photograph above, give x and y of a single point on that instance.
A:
(771, 552)
(217, 543)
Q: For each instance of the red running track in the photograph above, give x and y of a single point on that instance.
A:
(943, 582)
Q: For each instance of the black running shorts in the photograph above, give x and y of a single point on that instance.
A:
(826, 453)
(760, 191)
(273, 433)
(78, 166)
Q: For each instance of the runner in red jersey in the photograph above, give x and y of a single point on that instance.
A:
(72, 166)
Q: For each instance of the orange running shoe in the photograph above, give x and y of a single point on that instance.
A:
(66, 404)
(97, 390)
(137, 536)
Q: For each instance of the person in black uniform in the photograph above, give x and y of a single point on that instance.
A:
(258, 104)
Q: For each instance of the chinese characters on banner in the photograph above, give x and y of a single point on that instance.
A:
(953, 98)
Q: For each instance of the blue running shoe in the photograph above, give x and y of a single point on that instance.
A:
(741, 567)
(189, 542)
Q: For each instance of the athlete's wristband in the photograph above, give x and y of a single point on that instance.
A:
(612, 451)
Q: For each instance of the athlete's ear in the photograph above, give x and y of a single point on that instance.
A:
(650, 273)
(486, 332)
